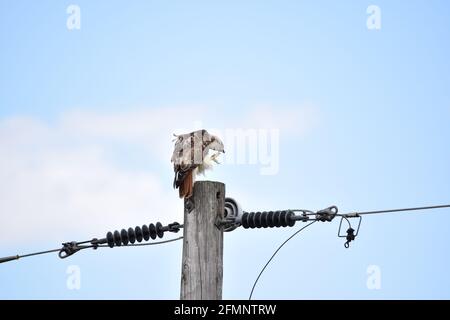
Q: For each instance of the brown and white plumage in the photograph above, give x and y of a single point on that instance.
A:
(191, 157)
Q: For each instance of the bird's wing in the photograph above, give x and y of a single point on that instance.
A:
(208, 142)
(190, 151)
(188, 154)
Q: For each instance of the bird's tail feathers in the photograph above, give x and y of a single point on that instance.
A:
(187, 186)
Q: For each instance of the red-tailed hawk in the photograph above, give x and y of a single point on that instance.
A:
(191, 157)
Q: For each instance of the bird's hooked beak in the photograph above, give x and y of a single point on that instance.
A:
(175, 137)
(215, 156)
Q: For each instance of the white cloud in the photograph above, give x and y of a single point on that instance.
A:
(292, 122)
(58, 182)
(138, 125)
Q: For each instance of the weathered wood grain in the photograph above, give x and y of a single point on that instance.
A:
(202, 263)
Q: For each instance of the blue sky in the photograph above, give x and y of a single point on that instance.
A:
(86, 118)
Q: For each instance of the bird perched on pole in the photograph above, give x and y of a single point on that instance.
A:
(191, 157)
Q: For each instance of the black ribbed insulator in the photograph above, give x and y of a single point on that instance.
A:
(152, 229)
(131, 235)
(117, 240)
(124, 237)
(268, 219)
(159, 230)
(138, 232)
(110, 239)
(145, 232)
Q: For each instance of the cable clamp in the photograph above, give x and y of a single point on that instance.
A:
(174, 227)
(327, 214)
(351, 233)
(350, 237)
(68, 249)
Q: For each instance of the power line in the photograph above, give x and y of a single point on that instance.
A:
(17, 257)
(396, 210)
(146, 244)
(38, 253)
(78, 248)
(276, 251)
(123, 238)
(328, 214)
(283, 218)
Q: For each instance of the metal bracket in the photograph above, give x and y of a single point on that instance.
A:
(68, 249)
(351, 235)
(189, 205)
(327, 214)
(174, 227)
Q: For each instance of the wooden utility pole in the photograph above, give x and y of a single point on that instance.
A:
(202, 265)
